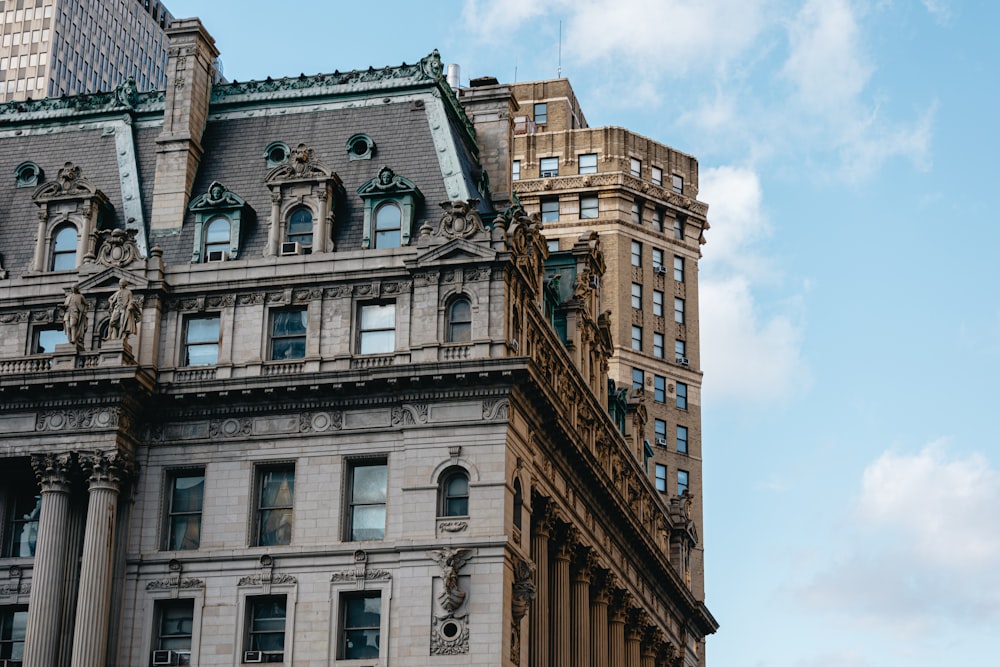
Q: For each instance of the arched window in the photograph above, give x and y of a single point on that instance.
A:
(300, 227)
(388, 219)
(518, 503)
(64, 248)
(460, 321)
(217, 237)
(454, 493)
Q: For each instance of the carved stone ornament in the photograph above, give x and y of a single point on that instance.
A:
(449, 626)
(217, 197)
(116, 247)
(495, 409)
(408, 415)
(110, 468)
(76, 420)
(52, 471)
(453, 526)
(266, 578)
(387, 183)
(460, 220)
(169, 583)
(522, 594)
(302, 164)
(451, 561)
(376, 574)
(69, 182)
(75, 316)
(231, 428)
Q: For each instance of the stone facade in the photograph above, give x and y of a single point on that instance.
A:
(324, 402)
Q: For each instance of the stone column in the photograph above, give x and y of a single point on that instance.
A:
(541, 530)
(106, 471)
(634, 631)
(616, 628)
(599, 598)
(41, 641)
(582, 576)
(561, 645)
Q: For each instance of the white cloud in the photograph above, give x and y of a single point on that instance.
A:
(748, 356)
(940, 9)
(922, 555)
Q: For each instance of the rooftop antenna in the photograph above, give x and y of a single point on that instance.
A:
(559, 68)
(515, 70)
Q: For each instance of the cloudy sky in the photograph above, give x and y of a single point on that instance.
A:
(851, 318)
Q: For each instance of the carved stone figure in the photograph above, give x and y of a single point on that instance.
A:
(75, 316)
(451, 561)
(125, 313)
(460, 219)
(118, 247)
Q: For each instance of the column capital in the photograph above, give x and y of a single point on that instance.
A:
(53, 471)
(106, 469)
(603, 585)
(667, 656)
(653, 642)
(584, 564)
(636, 622)
(566, 538)
(543, 517)
(621, 601)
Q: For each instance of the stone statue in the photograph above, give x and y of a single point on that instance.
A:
(125, 313)
(75, 316)
(451, 561)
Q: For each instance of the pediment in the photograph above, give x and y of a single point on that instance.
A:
(455, 251)
(108, 278)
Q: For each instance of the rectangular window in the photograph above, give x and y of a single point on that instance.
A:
(677, 183)
(288, 334)
(678, 269)
(658, 345)
(680, 351)
(266, 626)
(548, 166)
(661, 478)
(515, 170)
(46, 338)
(550, 210)
(377, 328)
(678, 229)
(657, 176)
(541, 113)
(660, 432)
(678, 310)
(588, 163)
(201, 341)
(657, 303)
(636, 253)
(187, 493)
(657, 260)
(659, 389)
(635, 167)
(636, 338)
(360, 625)
(23, 503)
(638, 378)
(275, 497)
(588, 208)
(682, 482)
(174, 627)
(636, 296)
(682, 439)
(367, 493)
(682, 396)
(658, 219)
(13, 623)
(637, 212)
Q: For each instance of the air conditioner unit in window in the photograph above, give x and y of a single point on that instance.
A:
(549, 173)
(659, 270)
(682, 361)
(183, 657)
(291, 248)
(166, 658)
(253, 656)
(274, 657)
(218, 256)
(662, 442)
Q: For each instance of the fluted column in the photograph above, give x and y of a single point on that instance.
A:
(650, 647)
(599, 598)
(106, 472)
(561, 647)
(582, 576)
(541, 531)
(41, 641)
(633, 638)
(616, 629)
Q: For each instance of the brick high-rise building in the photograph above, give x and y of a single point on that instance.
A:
(50, 48)
(284, 379)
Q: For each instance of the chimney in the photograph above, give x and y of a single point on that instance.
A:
(454, 77)
(185, 110)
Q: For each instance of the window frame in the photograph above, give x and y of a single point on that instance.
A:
(283, 338)
(56, 254)
(681, 443)
(452, 322)
(445, 508)
(37, 333)
(299, 236)
(636, 338)
(343, 600)
(660, 430)
(540, 113)
(378, 231)
(8, 643)
(678, 229)
(678, 269)
(515, 170)
(657, 258)
(18, 490)
(679, 310)
(549, 210)
(590, 207)
(659, 389)
(680, 350)
(656, 175)
(677, 183)
(658, 345)
(351, 503)
(586, 168)
(660, 477)
(657, 220)
(251, 636)
(210, 246)
(160, 609)
(682, 396)
(369, 336)
(636, 296)
(262, 511)
(548, 167)
(683, 482)
(637, 206)
(170, 489)
(638, 378)
(189, 344)
(657, 303)
(635, 167)
(635, 250)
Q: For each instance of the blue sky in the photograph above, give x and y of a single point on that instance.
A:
(850, 314)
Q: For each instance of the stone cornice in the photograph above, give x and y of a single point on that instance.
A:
(555, 184)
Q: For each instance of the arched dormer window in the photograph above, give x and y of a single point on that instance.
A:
(64, 246)
(390, 208)
(459, 321)
(300, 229)
(388, 222)
(518, 503)
(217, 239)
(453, 493)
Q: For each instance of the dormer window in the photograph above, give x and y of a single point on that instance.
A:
(64, 246)
(390, 208)
(219, 215)
(27, 175)
(217, 239)
(300, 228)
(360, 147)
(304, 194)
(276, 153)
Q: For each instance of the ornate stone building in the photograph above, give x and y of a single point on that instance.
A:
(282, 380)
